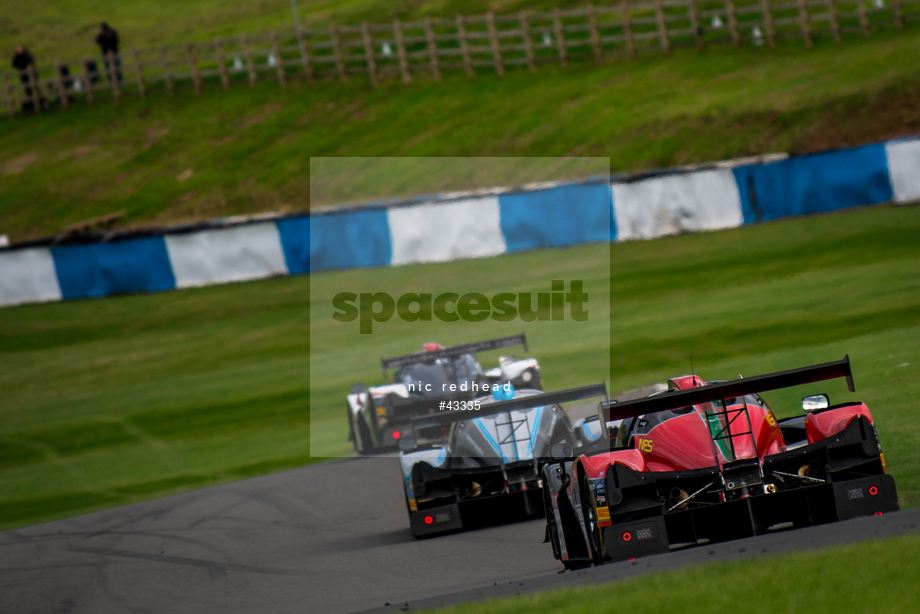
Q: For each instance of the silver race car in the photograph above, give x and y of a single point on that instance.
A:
(379, 415)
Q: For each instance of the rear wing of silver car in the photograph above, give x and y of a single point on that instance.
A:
(453, 352)
(677, 399)
(446, 417)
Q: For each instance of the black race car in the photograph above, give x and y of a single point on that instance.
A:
(482, 464)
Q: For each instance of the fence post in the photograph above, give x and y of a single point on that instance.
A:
(279, 61)
(89, 82)
(304, 54)
(33, 85)
(401, 52)
(9, 94)
(496, 48)
(560, 37)
(595, 35)
(59, 81)
(113, 76)
(732, 23)
(768, 23)
(369, 53)
(337, 52)
(695, 24)
(803, 19)
(193, 65)
(139, 73)
(627, 29)
(250, 65)
(832, 16)
(221, 64)
(167, 74)
(432, 50)
(528, 43)
(863, 18)
(662, 28)
(898, 16)
(464, 46)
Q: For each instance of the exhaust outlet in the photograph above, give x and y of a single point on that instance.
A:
(678, 496)
(808, 470)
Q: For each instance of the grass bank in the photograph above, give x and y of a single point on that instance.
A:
(866, 578)
(68, 30)
(249, 150)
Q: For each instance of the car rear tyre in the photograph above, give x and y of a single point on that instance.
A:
(552, 531)
(362, 435)
(590, 514)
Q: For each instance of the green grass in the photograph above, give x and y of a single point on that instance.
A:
(250, 149)
(869, 577)
(123, 399)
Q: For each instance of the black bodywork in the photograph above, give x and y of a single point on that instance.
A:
(467, 468)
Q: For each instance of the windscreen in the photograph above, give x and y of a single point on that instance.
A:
(437, 378)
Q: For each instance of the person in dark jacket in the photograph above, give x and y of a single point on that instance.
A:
(22, 60)
(107, 39)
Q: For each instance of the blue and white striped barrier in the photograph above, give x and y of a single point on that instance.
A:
(670, 204)
(724, 196)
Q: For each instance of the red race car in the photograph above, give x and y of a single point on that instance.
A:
(708, 461)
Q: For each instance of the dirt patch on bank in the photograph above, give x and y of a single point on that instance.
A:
(850, 121)
(888, 114)
(263, 114)
(16, 165)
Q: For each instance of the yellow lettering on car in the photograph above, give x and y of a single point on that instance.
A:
(645, 445)
(603, 513)
(381, 411)
(771, 420)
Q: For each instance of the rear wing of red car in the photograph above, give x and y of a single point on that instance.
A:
(454, 351)
(676, 399)
(445, 417)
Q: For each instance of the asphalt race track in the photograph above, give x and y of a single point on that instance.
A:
(331, 537)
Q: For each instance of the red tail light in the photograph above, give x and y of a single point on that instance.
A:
(873, 490)
(626, 536)
(428, 519)
(395, 434)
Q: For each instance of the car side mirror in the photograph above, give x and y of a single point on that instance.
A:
(407, 443)
(561, 452)
(815, 402)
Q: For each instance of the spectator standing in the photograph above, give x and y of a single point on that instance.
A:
(107, 39)
(22, 60)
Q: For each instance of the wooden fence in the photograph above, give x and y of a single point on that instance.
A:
(474, 44)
